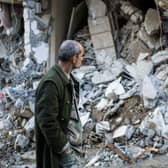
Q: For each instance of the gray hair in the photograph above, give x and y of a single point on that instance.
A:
(68, 49)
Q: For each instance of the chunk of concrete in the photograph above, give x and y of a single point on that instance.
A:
(150, 41)
(155, 121)
(29, 156)
(160, 57)
(99, 25)
(102, 104)
(143, 68)
(3, 50)
(5, 125)
(105, 56)
(114, 87)
(21, 141)
(102, 40)
(102, 76)
(97, 8)
(152, 21)
(137, 47)
(148, 89)
(123, 131)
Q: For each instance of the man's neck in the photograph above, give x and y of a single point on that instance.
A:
(66, 66)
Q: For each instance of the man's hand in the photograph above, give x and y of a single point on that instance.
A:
(68, 158)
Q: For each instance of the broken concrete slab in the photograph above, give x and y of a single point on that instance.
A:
(29, 156)
(105, 56)
(150, 41)
(3, 50)
(102, 40)
(21, 141)
(5, 125)
(137, 47)
(143, 68)
(114, 88)
(97, 8)
(152, 21)
(102, 127)
(124, 131)
(160, 57)
(102, 76)
(99, 25)
(102, 104)
(148, 89)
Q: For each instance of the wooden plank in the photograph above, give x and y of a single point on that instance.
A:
(19, 2)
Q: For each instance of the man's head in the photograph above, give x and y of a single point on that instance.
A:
(71, 51)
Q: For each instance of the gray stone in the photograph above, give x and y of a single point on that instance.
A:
(152, 21)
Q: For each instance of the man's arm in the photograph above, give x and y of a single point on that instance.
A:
(47, 117)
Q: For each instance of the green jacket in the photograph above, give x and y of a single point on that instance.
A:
(52, 113)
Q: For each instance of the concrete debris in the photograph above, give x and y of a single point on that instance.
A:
(97, 8)
(148, 89)
(21, 141)
(160, 57)
(128, 9)
(29, 156)
(108, 110)
(152, 22)
(138, 47)
(102, 127)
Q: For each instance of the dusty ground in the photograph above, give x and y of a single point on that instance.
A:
(157, 161)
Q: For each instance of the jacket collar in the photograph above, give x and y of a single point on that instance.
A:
(63, 76)
(61, 73)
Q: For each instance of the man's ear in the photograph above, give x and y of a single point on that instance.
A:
(74, 59)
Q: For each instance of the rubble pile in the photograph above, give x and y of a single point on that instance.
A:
(21, 67)
(139, 32)
(127, 108)
(123, 101)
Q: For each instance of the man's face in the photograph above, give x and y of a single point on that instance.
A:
(77, 60)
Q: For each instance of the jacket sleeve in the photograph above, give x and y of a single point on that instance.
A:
(47, 117)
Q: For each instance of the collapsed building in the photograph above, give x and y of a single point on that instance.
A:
(124, 85)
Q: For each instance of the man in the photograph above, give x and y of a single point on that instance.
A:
(54, 99)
